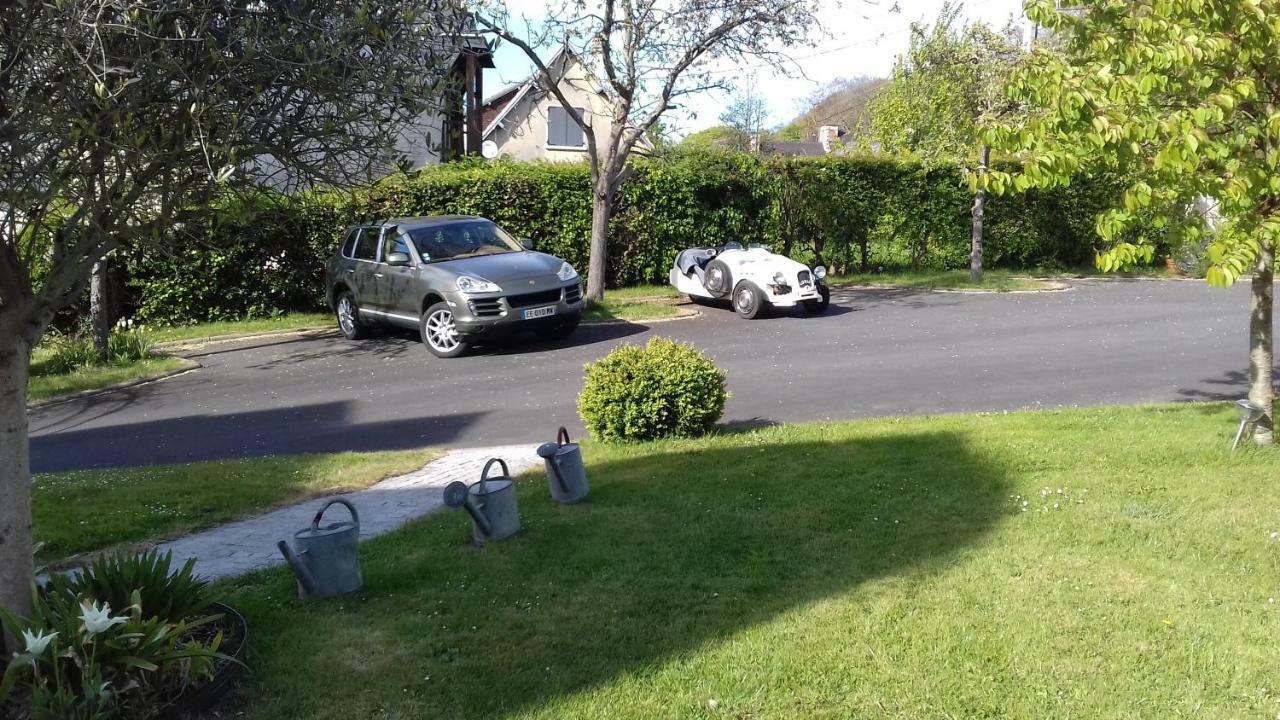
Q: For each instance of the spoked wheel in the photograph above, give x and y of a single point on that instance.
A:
(748, 300)
(819, 306)
(717, 280)
(439, 333)
(348, 314)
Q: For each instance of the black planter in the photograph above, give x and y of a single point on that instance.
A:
(201, 697)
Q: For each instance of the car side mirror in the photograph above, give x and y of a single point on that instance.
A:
(397, 258)
(526, 243)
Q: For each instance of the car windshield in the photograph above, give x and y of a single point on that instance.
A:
(467, 238)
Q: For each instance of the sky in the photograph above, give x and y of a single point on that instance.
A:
(859, 38)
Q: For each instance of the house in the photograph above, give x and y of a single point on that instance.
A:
(828, 141)
(527, 121)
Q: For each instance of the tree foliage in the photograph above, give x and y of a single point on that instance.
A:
(120, 118)
(951, 79)
(1181, 97)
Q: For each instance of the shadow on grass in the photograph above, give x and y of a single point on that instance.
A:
(679, 548)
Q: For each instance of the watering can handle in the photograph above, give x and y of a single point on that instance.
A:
(562, 437)
(315, 522)
(484, 474)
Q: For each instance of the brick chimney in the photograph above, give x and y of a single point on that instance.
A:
(828, 135)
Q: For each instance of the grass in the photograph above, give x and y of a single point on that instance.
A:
(997, 280)
(77, 512)
(213, 330)
(643, 302)
(44, 385)
(1108, 563)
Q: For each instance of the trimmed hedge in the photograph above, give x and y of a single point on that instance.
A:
(267, 257)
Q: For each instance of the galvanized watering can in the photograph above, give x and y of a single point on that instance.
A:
(566, 474)
(491, 503)
(326, 560)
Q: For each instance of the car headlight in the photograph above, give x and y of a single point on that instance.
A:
(779, 279)
(566, 272)
(472, 284)
(819, 272)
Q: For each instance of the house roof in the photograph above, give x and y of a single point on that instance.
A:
(793, 148)
(492, 113)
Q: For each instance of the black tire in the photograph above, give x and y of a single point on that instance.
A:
(717, 279)
(439, 334)
(559, 331)
(819, 306)
(703, 301)
(347, 313)
(748, 301)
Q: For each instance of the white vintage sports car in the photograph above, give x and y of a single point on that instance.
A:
(751, 278)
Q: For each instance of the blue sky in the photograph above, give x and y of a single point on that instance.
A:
(860, 38)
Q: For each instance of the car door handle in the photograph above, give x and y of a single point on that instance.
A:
(377, 275)
(351, 271)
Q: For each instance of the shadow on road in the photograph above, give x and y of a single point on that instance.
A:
(1234, 385)
(327, 427)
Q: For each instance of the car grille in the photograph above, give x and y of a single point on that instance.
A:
(573, 293)
(545, 297)
(806, 278)
(487, 307)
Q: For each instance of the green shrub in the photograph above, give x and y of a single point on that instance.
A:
(129, 346)
(66, 353)
(664, 389)
(266, 256)
(170, 595)
(81, 655)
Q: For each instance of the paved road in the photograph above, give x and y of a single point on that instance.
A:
(875, 353)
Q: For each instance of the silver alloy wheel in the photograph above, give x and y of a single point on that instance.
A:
(346, 315)
(744, 298)
(441, 333)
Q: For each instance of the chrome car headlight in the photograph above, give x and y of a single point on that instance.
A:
(472, 284)
(779, 279)
(566, 272)
(819, 272)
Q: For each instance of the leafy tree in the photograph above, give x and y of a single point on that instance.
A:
(950, 80)
(746, 115)
(644, 57)
(120, 118)
(1182, 96)
(716, 137)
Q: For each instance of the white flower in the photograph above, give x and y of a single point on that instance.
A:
(38, 642)
(98, 620)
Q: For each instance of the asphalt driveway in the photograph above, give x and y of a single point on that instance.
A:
(877, 352)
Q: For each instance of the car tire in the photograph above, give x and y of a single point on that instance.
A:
(819, 306)
(748, 301)
(439, 334)
(347, 313)
(559, 331)
(717, 280)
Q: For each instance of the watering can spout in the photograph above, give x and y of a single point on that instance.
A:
(300, 569)
(458, 495)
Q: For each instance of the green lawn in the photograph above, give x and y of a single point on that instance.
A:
(77, 512)
(997, 280)
(214, 330)
(643, 302)
(43, 386)
(1112, 563)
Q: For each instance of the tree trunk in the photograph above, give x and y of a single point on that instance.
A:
(16, 567)
(979, 210)
(100, 309)
(601, 209)
(864, 262)
(1261, 349)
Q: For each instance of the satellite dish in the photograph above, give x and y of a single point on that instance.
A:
(489, 149)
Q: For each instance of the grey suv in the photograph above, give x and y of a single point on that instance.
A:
(454, 278)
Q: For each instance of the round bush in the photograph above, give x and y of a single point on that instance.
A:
(664, 389)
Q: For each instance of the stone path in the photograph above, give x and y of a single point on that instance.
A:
(247, 545)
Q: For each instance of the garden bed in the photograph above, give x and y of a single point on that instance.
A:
(235, 645)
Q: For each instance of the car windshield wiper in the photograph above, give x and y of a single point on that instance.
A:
(478, 254)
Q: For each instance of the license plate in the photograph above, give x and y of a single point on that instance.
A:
(532, 313)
